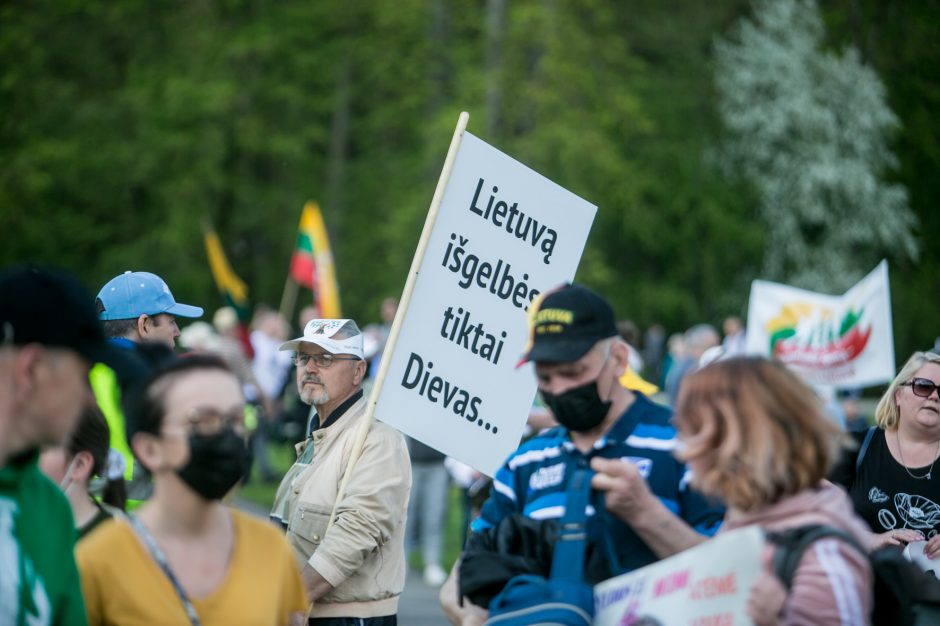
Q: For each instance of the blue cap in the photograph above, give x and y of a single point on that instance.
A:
(133, 294)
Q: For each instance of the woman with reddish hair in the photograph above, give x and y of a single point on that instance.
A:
(754, 435)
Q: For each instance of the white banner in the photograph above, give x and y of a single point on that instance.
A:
(843, 341)
(503, 234)
(707, 585)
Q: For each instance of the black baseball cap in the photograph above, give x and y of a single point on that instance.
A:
(566, 322)
(50, 307)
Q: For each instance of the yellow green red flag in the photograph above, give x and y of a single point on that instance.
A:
(312, 262)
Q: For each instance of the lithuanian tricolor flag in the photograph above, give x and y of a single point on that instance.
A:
(233, 290)
(312, 263)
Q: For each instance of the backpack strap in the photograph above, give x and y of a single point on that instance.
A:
(568, 559)
(862, 449)
(793, 542)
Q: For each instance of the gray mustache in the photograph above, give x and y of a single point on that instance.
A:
(312, 379)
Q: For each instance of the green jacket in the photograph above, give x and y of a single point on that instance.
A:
(38, 577)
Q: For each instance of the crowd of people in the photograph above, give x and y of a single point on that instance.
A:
(117, 454)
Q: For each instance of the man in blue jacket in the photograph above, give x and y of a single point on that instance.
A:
(623, 436)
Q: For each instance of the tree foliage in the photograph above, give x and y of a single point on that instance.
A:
(811, 130)
(123, 124)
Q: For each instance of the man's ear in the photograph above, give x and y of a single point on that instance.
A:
(142, 324)
(360, 372)
(620, 352)
(26, 363)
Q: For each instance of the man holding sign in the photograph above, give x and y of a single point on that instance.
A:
(354, 568)
(626, 438)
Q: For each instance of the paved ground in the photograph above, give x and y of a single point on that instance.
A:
(419, 605)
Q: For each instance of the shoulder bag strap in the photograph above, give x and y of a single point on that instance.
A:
(568, 559)
(862, 449)
(793, 542)
(160, 558)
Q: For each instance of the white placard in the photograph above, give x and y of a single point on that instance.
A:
(503, 234)
(844, 341)
(707, 585)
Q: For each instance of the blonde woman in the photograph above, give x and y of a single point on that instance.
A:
(891, 477)
(755, 436)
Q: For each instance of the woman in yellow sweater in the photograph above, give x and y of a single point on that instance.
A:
(184, 557)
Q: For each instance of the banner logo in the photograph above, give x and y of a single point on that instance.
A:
(812, 336)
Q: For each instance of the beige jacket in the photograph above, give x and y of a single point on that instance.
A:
(363, 554)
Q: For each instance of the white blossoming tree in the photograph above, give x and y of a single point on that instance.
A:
(809, 130)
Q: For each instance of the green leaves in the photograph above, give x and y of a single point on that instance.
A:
(125, 123)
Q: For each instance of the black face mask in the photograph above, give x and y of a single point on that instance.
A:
(579, 409)
(216, 463)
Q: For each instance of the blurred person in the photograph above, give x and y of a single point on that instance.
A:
(184, 556)
(74, 464)
(855, 421)
(631, 335)
(355, 569)
(271, 369)
(378, 333)
(49, 337)
(675, 353)
(756, 436)
(475, 488)
(200, 337)
(306, 314)
(426, 508)
(626, 438)
(631, 378)
(697, 341)
(654, 344)
(735, 341)
(893, 488)
(229, 346)
(134, 308)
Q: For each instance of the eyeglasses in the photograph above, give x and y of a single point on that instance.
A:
(922, 387)
(323, 361)
(207, 421)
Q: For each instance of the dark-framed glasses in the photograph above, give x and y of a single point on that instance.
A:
(922, 387)
(207, 421)
(323, 361)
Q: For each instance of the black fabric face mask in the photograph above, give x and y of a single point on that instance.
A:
(579, 409)
(216, 463)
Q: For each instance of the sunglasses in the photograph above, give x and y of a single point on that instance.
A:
(922, 387)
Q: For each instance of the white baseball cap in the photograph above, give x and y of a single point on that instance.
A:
(334, 336)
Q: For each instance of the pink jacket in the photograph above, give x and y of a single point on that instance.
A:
(833, 582)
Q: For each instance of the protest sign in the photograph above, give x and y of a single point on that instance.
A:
(843, 341)
(502, 234)
(707, 585)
